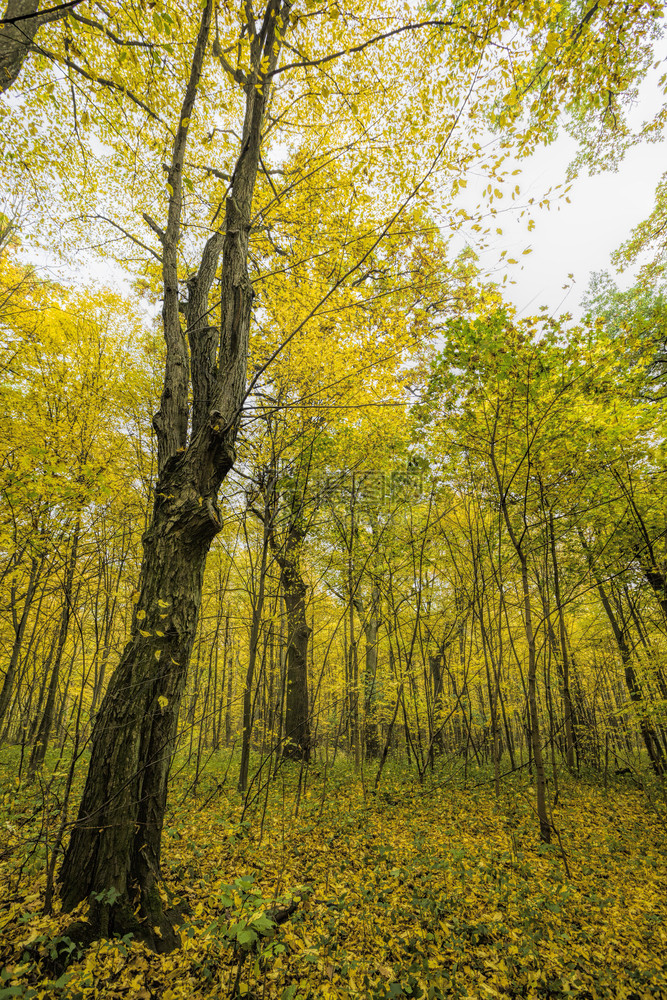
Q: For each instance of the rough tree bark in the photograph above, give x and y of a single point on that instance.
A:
(296, 743)
(21, 24)
(113, 858)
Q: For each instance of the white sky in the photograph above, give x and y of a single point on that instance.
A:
(578, 237)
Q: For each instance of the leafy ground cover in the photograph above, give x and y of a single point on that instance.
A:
(432, 891)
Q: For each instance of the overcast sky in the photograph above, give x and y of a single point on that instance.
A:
(578, 237)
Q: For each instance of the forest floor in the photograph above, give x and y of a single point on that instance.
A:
(441, 890)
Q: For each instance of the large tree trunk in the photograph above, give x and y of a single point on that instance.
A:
(114, 854)
(115, 846)
(297, 726)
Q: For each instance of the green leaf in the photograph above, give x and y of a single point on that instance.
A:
(263, 924)
(246, 937)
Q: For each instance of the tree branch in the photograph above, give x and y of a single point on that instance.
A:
(102, 81)
(362, 45)
(106, 31)
(144, 246)
(154, 226)
(43, 16)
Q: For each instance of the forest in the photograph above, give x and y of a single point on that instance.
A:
(333, 588)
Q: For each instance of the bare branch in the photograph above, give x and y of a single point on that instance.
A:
(362, 45)
(268, 177)
(106, 31)
(213, 171)
(154, 226)
(144, 246)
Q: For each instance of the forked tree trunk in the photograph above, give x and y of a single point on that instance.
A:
(113, 858)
